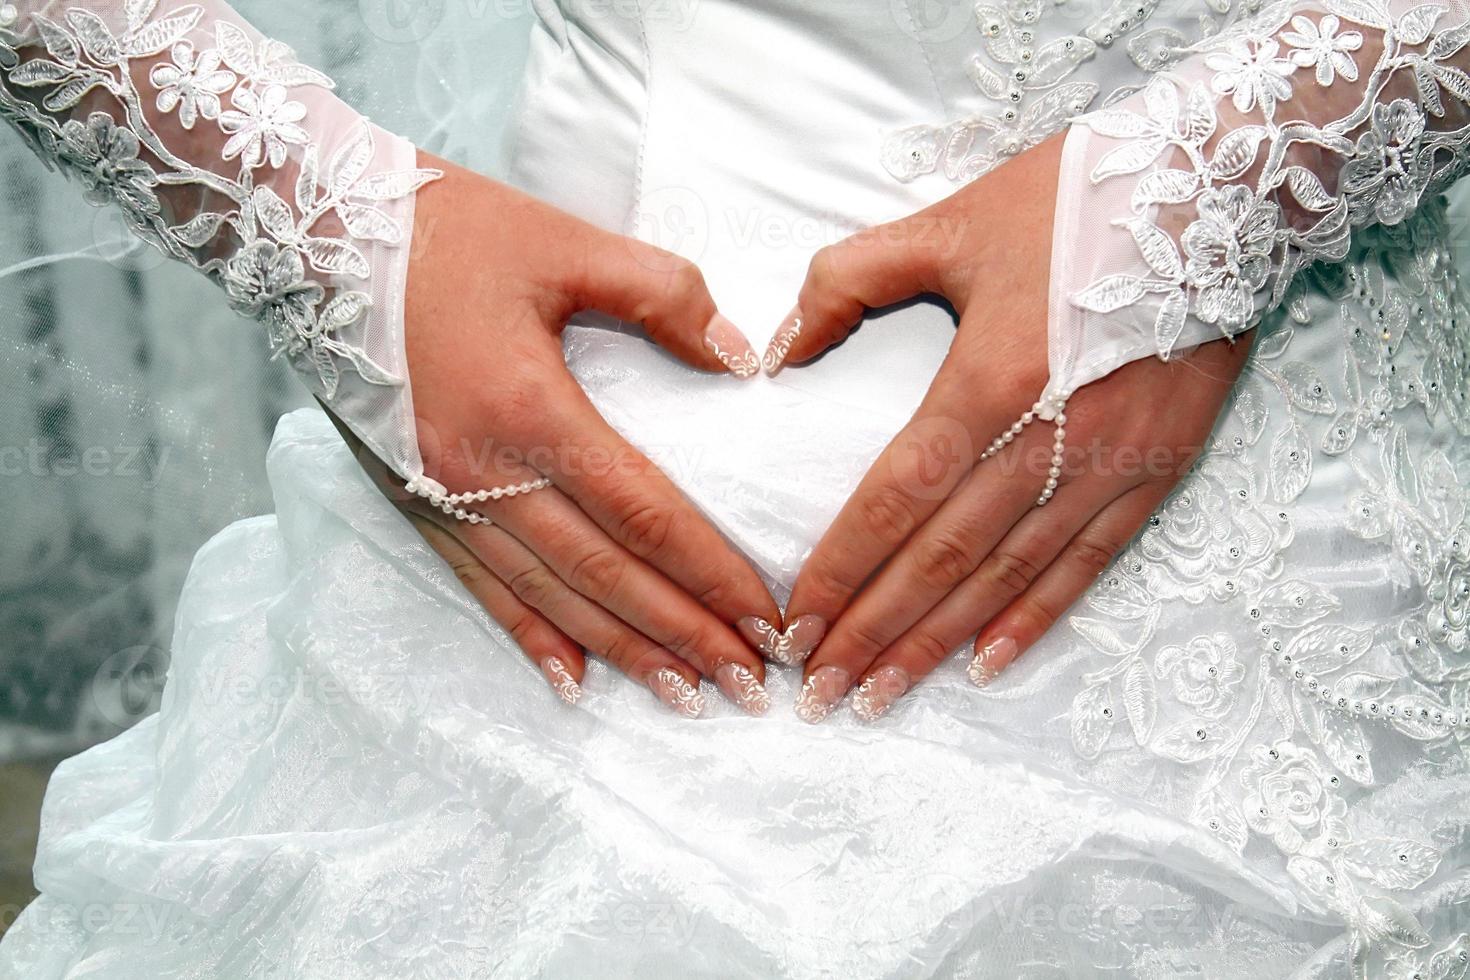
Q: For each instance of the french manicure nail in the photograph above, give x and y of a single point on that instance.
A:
(676, 692)
(780, 344)
(727, 343)
(561, 680)
(821, 694)
(990, 660)
(879, 691)
(789, 647)
(742, 686)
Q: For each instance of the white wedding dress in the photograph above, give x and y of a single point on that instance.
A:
(355, 774)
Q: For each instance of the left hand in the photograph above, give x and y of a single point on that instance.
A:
(933, 547)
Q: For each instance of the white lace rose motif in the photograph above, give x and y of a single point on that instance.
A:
(193, 84)
(1228, 249)
(1212, 539)
(105, 157)
(1291, 798)
(1389, 170)
(1206, 673)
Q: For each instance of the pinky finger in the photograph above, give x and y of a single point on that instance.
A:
(1018, 626)
(560, 660)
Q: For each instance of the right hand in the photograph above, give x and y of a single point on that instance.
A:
(611, 558)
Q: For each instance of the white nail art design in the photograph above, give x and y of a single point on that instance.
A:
(990, 659)
(561, 680)
(740, 683)
(680, 695)
(879, 691)
(790, 646)
(742, 366)
(821, 694)
(780, 345)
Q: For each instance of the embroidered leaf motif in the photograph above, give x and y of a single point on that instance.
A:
(1158, 249)
(163, 34)
(392, 185)
(1221, 818)
(1128, 158)
(351, 161)
(1327, 647)
(1413, 27)
(58, 41)
(139, 11)
(333, 256)
(1092, 720)
(1111, 293)
(275, 214)
(1363, 12)
(70, 94)
(1308, 190)
(369, 223)
(1251, 409)
(1296, 603)
(235, 48)
(1291, 463)
(1236, 151)
(1164, 187)
(1140, 701)
(1170, 323)
(1117, 123)
(39, 72)
(1199, 118)
(199, 229)
(1341, 433)
(986, 78)
(306, 180)
(1448, 42)
(1187, 742)
(292, 75)
(343, 311)
(1305, 389)
(96, 38)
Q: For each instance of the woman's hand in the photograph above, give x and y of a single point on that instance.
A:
(610, 558)
(933, 548)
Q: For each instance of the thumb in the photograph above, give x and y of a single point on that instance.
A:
(883, 265)
(667, 295)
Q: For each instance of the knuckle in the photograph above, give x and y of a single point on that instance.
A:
(685, 278)
(830, 584)
(648, 529)
(1094, 557)
(536, 587)
(888, 513)
(868, 637)
(629, 654)
(825, 269)
(942, 560)
(928, 647)
(596, 574)
(1011, 573)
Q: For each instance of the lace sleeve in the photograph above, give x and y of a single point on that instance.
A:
(1186, 208)
(225, 152)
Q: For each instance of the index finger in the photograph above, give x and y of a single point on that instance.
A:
(638, 506)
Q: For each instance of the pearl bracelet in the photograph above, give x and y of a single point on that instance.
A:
(1057, 403)
(453, 503)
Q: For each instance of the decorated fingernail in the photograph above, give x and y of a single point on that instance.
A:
(676, 692)
(561, 680)
(742, 686)
(727, 343)
(790, 646)
(991, 659)
(879, 691)
(821, 694)
(780, 344)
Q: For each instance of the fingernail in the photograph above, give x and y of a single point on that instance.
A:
(561, 680)
(790, 646)
(726, 342)
(821, 694)
(676, 692)
(991, 659)
(780, 344)
(742, 686)
(879, 691)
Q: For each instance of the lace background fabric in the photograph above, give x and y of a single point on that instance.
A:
(353, 775)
